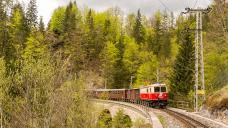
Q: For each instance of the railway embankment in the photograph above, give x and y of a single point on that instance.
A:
(204, 120)
(143, 110)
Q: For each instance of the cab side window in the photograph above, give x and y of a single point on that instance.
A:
(163, 89)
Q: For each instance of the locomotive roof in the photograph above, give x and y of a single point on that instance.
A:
(153, 85)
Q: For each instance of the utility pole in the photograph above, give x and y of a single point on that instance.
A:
(131, 82)
(196, 62)
(157, 75)
(1, 116)
(199, 23)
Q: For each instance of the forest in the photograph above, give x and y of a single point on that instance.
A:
(44, 69)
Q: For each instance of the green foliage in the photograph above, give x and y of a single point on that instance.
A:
(57, 20)
(130, 24)
(104, 96)
(139, 30)
(131, 55)
(147, 72)
(41, 25)
(162, 120)
(140, 123)
(218, 100)
(35, 47)
(215, 47)
(110, 56)
(121, 121)
(183, 71)
(105, 119)
(40, 91)
(35, 87)
(31, 14)
(16, 39)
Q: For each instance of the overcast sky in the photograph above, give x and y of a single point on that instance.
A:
(147, 7)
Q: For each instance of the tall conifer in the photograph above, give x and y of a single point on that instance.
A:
(139, 30)
(182, 79)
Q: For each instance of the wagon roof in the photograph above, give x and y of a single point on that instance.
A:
(102, 90)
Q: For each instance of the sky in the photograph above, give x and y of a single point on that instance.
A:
(147, 7)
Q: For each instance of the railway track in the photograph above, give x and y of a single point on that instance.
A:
(187, 121)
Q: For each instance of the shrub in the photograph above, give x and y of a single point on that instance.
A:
(121, 120)
(105, 119)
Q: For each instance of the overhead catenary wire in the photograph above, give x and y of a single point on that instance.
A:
(195, 4)
(163, 4)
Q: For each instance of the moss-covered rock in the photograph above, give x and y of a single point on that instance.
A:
(219, 99)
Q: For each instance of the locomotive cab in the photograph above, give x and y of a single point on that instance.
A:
(155, 94)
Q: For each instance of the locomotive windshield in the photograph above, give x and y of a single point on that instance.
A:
(156, 89)
(159, 89)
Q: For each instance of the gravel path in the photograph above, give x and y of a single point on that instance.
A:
(167, 120)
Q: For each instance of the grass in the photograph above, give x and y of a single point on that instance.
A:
(219, 99)
(162, 120)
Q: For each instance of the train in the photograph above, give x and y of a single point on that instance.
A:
(154, 94)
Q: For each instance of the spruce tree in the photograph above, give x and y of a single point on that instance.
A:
(70, 18)
(31, 14)
(182, 79)
(41, 25)
(90, 45)
(90, 20)
(139, 30)
(156, 42)
(2, 27)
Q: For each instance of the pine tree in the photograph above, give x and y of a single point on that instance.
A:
(182, 79)
(31, 14)
(139, 30)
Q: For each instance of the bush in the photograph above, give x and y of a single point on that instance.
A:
(140, 123)
(121, 120)
(104, 96)
(105, 119)
(44, 94)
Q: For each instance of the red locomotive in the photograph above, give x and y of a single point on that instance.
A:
(154, 95)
